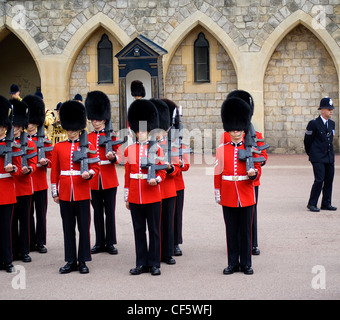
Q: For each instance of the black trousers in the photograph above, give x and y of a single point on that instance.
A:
(323, 181)
(72, 213)
(238, 223)
(6, 232)
(38, 227)
(21, 226)
(104, 201)
(167, 226)
(149, 214)
(254, 225)
(178, 219)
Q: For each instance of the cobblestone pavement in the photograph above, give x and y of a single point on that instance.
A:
(300, 251)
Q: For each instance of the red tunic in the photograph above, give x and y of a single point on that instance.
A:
(7, 186)
(185, 167)
(39, 176)
(233, 193)
(24, 182)
(168, 186)
(139, 191)
(225, 137)
(107, 170)
(71, 187)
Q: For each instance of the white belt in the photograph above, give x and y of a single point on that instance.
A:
(105, 162)
(235, 178)
(138, 176)
(5, 175)
(70, 173)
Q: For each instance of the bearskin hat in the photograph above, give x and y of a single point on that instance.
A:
(163, 113)
(137, 89)
(235, 114)
(172, 106)
(244, 95)
(72, 115)
(36, 109)
(5, 112)
(98, 106)
(20, 113)
(143, 110)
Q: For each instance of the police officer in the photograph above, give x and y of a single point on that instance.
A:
(104, 185)
(318, 142)
(71, 188)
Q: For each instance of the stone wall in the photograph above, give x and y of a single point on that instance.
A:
(299, 70)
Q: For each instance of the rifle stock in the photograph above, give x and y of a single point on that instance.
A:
(24, 148)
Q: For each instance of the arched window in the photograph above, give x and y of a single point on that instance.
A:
(105, 60)
(201, 59)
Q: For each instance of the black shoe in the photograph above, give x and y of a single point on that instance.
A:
(26, 258)
(168, 260)
(41, 248)
(69, 267)
(177, 251)
(111, 249)
(313, 208)
(247, 270)
(255, 251)
(97, 249)
(139, 270)
(155, 271)
(331, 208)
(82, 267)
(9, 267)
(231, 269)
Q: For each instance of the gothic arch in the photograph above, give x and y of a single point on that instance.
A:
(299, 17)
(199, 18)
(84, 33)
(24, 37)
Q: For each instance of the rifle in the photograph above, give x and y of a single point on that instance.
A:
(168, 152)
(40, 144)
(24, 148)
(7, 149)
(81, 156)
(149, 162)
(107, 139)
(181, 151)
(250, 142)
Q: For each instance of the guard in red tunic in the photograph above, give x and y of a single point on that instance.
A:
(104, 185)
(23, 186)
(246, 96)
(71, 186)
(234, 187)
(142, 195)
(184, 164)
(40, 196)
(7, 188)
(168, 186)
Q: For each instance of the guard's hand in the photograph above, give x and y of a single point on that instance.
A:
(43, 162)
(152, 182)
(26, 170)
(252, 172)
(56, 199)
(127, 205)
(10, 168)
(111, 155)
(85, 175)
